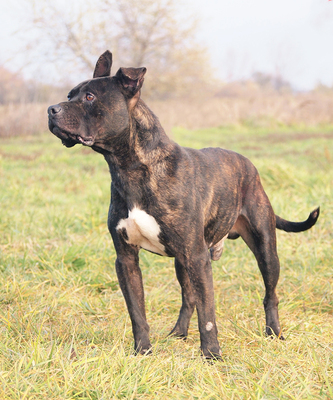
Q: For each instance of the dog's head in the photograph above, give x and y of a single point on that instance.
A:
(98, 109)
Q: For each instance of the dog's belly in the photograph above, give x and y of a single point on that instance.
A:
(142, 230)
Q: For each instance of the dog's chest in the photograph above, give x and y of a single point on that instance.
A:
(141, 229)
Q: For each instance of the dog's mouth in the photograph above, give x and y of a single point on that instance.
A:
(69, 139)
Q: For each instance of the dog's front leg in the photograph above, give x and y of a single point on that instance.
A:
(130, 281)
(129, 274)
(188, 302)
(200, 273)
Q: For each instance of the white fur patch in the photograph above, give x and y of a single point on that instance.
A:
(142, 230)
(209, 326)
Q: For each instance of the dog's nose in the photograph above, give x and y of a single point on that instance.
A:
(54, 109)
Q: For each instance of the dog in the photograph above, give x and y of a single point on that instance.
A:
(171, 200)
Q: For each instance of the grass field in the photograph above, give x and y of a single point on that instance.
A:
(65, 331)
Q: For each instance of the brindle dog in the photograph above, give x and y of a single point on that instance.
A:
(171, 200)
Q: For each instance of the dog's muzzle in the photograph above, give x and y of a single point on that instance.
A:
(69, 139)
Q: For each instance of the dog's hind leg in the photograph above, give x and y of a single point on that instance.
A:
(188, 302)
(258, 231)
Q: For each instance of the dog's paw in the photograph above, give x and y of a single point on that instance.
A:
(270, 333)
(178, 333)
(143, 352)
(212, 356)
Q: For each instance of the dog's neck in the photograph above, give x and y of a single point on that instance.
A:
(144, 143)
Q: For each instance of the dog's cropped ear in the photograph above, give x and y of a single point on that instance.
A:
(103, 65)
(131, 79)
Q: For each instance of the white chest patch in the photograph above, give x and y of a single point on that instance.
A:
(142, 230)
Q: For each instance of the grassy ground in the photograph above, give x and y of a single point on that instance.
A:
(65, 332)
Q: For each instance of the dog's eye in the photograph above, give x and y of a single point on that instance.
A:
(89, 97)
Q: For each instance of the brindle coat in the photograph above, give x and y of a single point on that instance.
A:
(172, 200)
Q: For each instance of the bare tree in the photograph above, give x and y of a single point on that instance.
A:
(146, 33)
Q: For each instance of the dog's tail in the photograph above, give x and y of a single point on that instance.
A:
(289, 226)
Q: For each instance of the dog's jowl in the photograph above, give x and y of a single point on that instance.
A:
(170, 200)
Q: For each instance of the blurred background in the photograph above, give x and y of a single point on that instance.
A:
(210, 63)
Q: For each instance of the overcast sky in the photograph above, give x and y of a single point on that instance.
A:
(291, 37)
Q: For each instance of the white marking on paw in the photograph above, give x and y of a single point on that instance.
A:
(209, 326)
(142, 230)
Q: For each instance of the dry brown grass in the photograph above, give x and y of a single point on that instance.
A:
(258, 109)
(22, 119)
(253, 108)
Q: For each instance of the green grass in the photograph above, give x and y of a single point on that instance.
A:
(65, 331)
